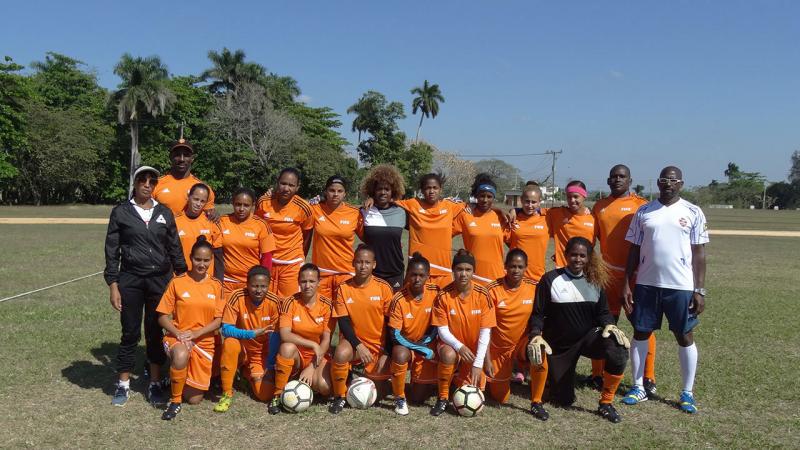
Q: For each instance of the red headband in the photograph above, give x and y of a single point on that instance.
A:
(578, 190)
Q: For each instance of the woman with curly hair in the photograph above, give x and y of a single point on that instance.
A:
(385, 221)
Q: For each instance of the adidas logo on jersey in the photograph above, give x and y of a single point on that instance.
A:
(296, 319)
(349, 300)
(527, 301)
(321, 219)
(409, 316)
(161, 219)
(442, 211)
(502, 304)
(211, 296)
(266, 215)
(249, 234)
(265, 319)
(453, 312)
(245, 316)
(226, 231)
(422, 211)
(428, 310)
(166, 190)
(473, 224)
(374, 298)
(185, 294)
(181, 233)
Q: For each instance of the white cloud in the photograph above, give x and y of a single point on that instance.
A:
(616, 74)
(303, 98)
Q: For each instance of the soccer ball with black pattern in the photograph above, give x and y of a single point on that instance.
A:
(297, 396)
(362, 393)
(468, 401)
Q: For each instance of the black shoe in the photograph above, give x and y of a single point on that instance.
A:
(607, 411)
(538, 411)
(155, 394)
(596, 382)
(439, 408)
(172, 410)
(337, 405)
(274, 406)
(650, 387)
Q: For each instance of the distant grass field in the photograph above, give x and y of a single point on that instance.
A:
(59, 346)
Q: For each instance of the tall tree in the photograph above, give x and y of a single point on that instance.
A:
(14, 93)
(63, 82)
(504, 174)
(794, 171)
(428, 97)
(229, 70)
(143, 91)
(375, 114)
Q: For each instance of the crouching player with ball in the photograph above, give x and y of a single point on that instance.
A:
(570, 320)
(412, 334)
(305, 326)
(464, 318)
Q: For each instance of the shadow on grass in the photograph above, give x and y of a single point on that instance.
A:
(100, 373)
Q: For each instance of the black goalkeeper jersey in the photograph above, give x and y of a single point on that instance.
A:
(383, 231)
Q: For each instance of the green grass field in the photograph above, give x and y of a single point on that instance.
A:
(58, 348)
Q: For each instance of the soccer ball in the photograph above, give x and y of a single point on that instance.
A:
(362, 393)
(297, 396)
(468, 401)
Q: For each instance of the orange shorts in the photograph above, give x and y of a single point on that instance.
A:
(371, 370)
(423, 371)
(330, 281)
(255, 355)
(614, 291)
(306, 358)
(441, 280)
(464, 373)
(283, 281)
(201, 355)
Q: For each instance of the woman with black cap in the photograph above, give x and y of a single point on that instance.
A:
(142, 252)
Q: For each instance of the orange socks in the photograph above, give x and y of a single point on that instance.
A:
(339, 373)
(283, 369)
(538, 380)
(597, 367)
(500, 391)
(177, 379)
(445, 376)
(650, 361)
(229, 362)
(610, 385)
(398, 372)
(263, 389)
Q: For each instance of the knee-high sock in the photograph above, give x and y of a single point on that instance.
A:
(339, 373)
(283, 369)
(398, 372)
(444, 377)
(263, 389)
(610, 385)
(650, 362)
(688, 358)
(538, 380)
(229, 362)
(500, 391)
(638, 356)
(597, 367)
(177, 380)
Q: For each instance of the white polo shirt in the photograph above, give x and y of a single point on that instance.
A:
(666, 235)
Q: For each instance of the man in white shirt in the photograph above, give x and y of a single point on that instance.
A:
(667, 254)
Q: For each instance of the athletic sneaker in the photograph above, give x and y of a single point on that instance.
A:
(400, 406)
(687, 402)
(439, 407)
(650, 387)
(155, 394)
(274, 406)
(121, 395)
(635, 395)
(337, 405)
(608, 412)
(172, 410)
(538, 411)
(224, 403)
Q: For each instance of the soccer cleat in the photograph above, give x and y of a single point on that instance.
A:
(608, 412)
(686, 403)
(337, 405)
(172, 410)
(538, 411)
(439, 407)
(121, 396)
(155, 394)
(634, 396)
(400, 406)
(274, 406)
(650, 387)
(224, 403)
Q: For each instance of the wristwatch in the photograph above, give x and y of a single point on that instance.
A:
(701, 291)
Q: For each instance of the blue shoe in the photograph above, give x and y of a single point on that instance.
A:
(687, 403)
(634, 396)
(121, 395)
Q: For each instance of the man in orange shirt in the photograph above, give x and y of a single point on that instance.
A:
(613, 215)
(361, 307)
(173, 188)
(290, 219)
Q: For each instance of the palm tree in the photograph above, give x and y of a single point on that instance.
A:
(143, 91)
(364, 109)
(427, 101)
(230, 70)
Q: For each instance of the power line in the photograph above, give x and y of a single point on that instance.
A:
(504, 156)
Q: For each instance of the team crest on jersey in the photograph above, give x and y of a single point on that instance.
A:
(249, 234)
(349, 300)
(683, 222)
(245, 316)
(442, 211)
(344, 222)
(181, 233)
(422, 211)
(205, 231)
(495, 225)
(538, 227)
(161, 219)
(374, 298)
(288, 219)
(296, 319)
(319, 319)
(475, 312)
(626, 209)
(588, 224)
(527, 301)
(211, 296)
(265, 319)
(185, 294)
(409, 316)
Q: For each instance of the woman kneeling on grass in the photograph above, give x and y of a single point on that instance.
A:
(190, 311)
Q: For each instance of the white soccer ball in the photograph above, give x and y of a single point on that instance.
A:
(297, 396)
(468, 400)
(362, 393)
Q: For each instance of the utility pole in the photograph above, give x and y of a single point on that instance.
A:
(553, 170)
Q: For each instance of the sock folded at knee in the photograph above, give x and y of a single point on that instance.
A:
(398, 372)
(650, 362)
(283, 370)
(339, 373)
(610, 385)
(177, 380)
(538, 380)
(444, 377)
(688, 359)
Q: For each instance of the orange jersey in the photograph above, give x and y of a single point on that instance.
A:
(431, 231)
(613, 216)
(243, 314)
(193, 304)
(334, 234)
(464, 316)
(512, 309)
(190, 229)
(367, 307)
(483, 237)
(242, 244)
(287, 224)
(564, 225)
(308, 322)
(174, 193)
(410, 316)
(531, 234)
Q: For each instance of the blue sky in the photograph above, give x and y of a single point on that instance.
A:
(646, 83)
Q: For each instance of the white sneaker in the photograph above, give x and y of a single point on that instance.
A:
(401, 407)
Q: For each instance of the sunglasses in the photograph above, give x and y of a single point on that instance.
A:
(147, 180)
(669, 181)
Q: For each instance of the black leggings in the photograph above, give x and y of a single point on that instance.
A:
(140, 295)
(561, 364)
